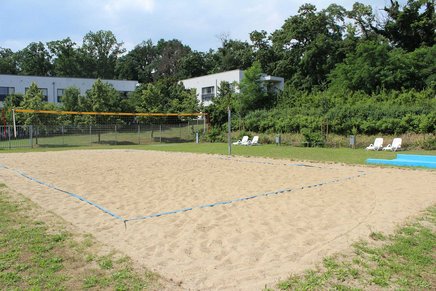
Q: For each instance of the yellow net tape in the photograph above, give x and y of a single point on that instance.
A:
(107, 113)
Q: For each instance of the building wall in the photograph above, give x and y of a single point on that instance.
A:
(209, 81)
(206, 86)
(53, 86)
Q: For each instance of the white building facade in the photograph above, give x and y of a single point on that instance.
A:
(207, 86)
(53, 88)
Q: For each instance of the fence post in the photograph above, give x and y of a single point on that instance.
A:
(160, 131)
(116, 135)
(139, 133)
(62, 132)
(31, 135)
(9, 136)
(90, 134)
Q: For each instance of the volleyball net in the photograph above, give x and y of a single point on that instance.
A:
(29, 128)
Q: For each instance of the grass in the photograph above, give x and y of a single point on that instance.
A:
(38, 255)
(43, 255)
(402, 261)
(340, 155)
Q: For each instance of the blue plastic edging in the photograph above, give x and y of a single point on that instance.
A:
(407, 161)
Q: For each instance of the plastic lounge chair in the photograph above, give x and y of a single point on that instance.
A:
(246, 143)
(378, 145)
(255, 141)
(396, 145)
(242, 141)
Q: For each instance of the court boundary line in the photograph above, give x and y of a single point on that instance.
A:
(164, 213)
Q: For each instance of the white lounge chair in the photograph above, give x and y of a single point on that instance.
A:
(395, 146)
(378, 145)
(255, 141)
(242, 141)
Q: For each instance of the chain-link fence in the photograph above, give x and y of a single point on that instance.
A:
(102, 134)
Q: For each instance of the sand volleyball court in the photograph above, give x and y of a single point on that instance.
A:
(212, 222)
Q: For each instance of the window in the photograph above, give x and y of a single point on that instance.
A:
(60, 93)
(207, 93)
(44, 92)
(6, 91)
(124, 94)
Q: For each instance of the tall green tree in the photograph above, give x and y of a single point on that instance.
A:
(166, 96)
(169, 54)
(233, 54)
(33, 99)
(253, 94)
(8, 62)
(194, 64)
(66, 58)
(309, 45)
(72, 100)
(375, 66)
(34, 60)
(139, 63)
(411, 26)
(99, 53)
(226, 97)
(363, 18)
(102, 97)
(263, 52)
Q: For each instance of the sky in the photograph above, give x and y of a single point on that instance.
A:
(197, 23)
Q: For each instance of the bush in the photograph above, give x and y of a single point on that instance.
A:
(312, 139)
(215, 134)
(429, 143)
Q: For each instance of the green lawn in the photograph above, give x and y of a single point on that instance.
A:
(40, 254)
(402, 261)
(339, 155)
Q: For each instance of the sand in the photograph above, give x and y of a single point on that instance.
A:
(243, 245)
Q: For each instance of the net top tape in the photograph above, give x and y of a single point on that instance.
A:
(106, 113)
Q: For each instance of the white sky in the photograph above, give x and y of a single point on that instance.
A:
(196, 23)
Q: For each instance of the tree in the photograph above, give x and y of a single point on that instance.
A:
(66, 58)
(8, 62)
(362, 69)
(99, 54)
(225, 98)
(263, 52)
(375, 66)
(193, 64)
(72, 101)
(102, 97)
(33, 99)
(138, 64)
(34, 60)
(233, 54)
(165, 95)
(309, 45)
(169, 54)
(363, 17)
(412, 27)
(253, 93)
